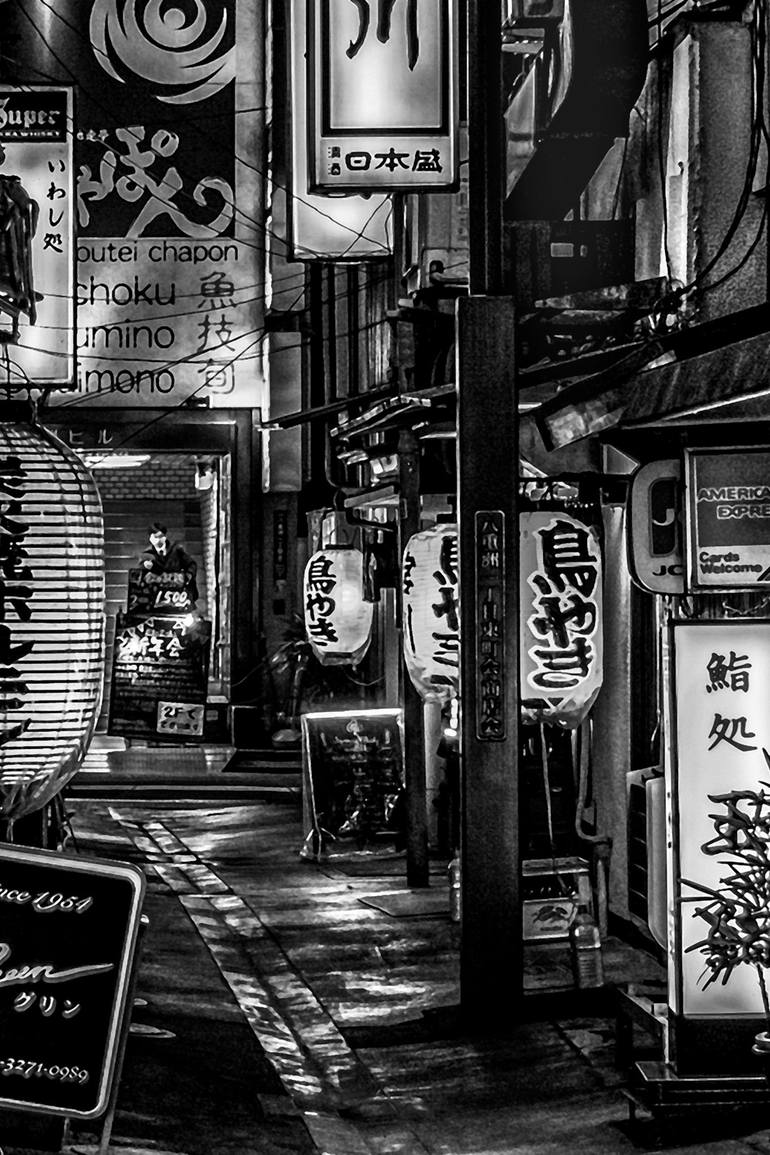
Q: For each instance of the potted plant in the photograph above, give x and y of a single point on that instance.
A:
(738, 914)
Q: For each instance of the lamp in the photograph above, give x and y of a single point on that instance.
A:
(51, 613)
(337, 619)
(429, 583)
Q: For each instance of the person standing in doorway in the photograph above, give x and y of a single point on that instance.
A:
(162, 556)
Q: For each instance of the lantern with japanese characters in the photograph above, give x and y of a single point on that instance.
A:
(431, 624)
(338, 621)
(561, 617)
(51, 615)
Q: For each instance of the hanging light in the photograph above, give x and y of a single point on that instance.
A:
(51, 613)
(430, 607)
(338, 621)
(561, 617)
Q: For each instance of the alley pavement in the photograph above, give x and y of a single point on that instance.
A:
(284, 1006)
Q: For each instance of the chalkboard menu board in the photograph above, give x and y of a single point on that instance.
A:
(159, 593)
(160, 677)
(353, 773)
(68, 932)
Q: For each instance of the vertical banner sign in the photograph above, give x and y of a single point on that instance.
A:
(70, 928)
(561, 617)
(383, 93)
(38, 215)
(728, 518)
(720, 810)
(170, 248)
(489, 608)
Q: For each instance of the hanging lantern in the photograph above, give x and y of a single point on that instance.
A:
(431, 618)
(51, 615)
(561, 617)
(337, 619)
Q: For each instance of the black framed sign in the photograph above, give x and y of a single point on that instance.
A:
(159, 593)
(728, 517)
(68, 934)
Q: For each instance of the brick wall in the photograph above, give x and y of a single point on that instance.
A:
(166, 478)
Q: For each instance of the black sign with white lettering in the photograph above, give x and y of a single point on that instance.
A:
(68, 933)
(160, 677)
(159, 593)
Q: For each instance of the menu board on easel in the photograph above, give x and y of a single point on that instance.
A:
(160, 677)
(353, 774)
(69, 935)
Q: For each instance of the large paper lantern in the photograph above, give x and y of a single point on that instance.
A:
(431, 618)
(338, 621)
(561, 617)
(51, 615)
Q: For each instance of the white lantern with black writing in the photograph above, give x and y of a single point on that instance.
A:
(51, 615)
(338, 621)
(561, 617)
(431, 625)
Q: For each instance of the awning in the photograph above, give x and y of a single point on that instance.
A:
(686, 377)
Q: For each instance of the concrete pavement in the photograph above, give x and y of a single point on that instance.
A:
(290, 1007)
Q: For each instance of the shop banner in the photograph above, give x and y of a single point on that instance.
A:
(728, 518)
(36, 148)
(170, 244)
(70, 928)
(160, 678)
(561, 617)
(720, 815)
(383, 93)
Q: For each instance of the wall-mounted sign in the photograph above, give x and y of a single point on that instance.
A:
(720, 814)
(160, 677)
(69, 935)
(349, 228)
(337, 619)
(383, 92)
(655, 547)
(560, 656)
(38, 212)
(170, 244)
(728, 518)
(489, 608)
(431, 612)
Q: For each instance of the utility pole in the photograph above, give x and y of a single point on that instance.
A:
(487, 456)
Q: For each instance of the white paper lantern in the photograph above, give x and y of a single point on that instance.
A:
(338, 621)
(431, 625)
(51, 615)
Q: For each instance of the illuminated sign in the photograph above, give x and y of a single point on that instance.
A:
(561, 617)
(383, 89)
(337, 619)
(720, 814)
(348, 228)
(36, 139)
(655, 519)
(431, 613)
(728, 518)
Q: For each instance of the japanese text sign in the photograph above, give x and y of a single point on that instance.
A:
(383, 92)
(69, 929)
(728, 518)
(36, 138)
(337, 619)
(489, 608)
(720, 814)
(429, 581)
(561, 617)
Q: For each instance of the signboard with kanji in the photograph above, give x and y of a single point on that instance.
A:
(728, 518)
(561, 617)
(68, 938)
(383, 94)
(489, 600)
(719, 815)
(37, 229)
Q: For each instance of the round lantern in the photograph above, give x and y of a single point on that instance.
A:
(338, 621)
(431, 615)
(51, 615)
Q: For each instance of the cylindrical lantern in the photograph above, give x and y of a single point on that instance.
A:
(431, 614)
(561, 617)
(338, 621)
(51, 615)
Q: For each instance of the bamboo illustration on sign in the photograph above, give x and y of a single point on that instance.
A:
(738, 914)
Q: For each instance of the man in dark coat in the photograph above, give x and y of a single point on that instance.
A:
(163, 556)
